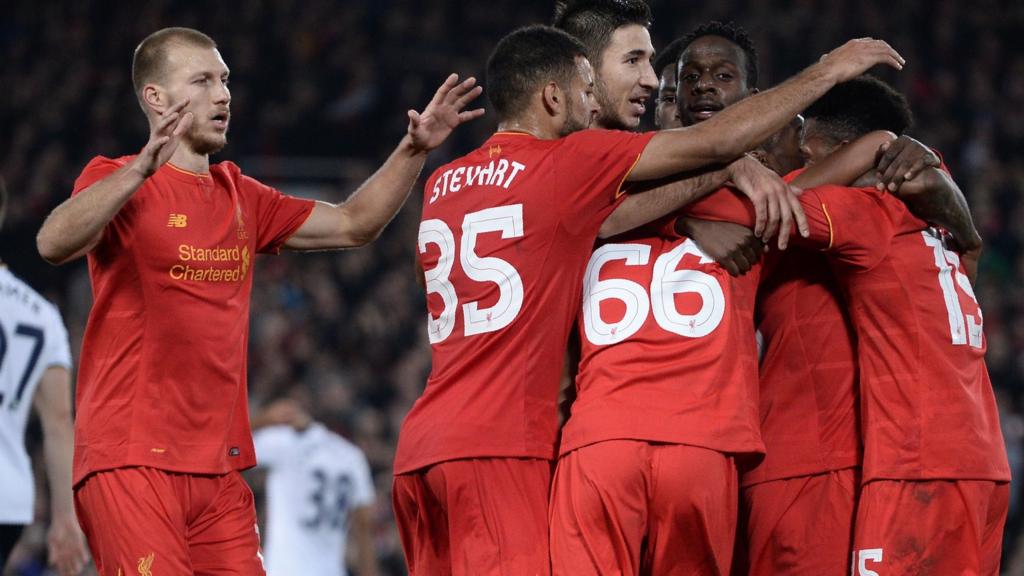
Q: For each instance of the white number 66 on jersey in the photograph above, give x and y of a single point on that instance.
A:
(666, 282)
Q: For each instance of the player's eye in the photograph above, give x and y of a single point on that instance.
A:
(725, 76)
(669, 99)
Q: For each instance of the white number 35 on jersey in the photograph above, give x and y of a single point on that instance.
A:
(505, 219)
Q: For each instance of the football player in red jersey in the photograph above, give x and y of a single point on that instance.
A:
(934, 485)
(647, 479)
(503, 241)
(811, 439)
(162, 426)
(935, 479)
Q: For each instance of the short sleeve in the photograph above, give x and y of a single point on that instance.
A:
(593, 166)
(854, 225)
(58, 350)
(97, 169)
(273, 445)
(364, 493)
(278, 215)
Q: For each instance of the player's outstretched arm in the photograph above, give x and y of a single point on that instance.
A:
(75, 227)
(749, 122)
(361, 218)
(65, 542)
(649, 201)
(774, 203)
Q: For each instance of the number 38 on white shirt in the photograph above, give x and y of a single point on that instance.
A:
(666, 282)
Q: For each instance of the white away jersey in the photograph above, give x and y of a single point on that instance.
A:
(32, 339)
(315, 477)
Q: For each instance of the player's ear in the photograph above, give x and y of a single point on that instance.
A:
(554, 99)
(153, 98)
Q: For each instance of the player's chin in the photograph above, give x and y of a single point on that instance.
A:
(208, 143)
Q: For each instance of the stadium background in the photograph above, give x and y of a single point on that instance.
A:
(319, 90)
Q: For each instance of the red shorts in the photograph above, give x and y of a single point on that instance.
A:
(475, 517)
(633, 507)
(798, 526)
(148, 521)
(932, 526)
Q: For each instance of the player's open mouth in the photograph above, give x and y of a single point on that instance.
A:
(705, 110)
(220, 120)
(639, 105)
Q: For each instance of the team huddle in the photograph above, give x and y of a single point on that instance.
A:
(765, 311)
(819, 410)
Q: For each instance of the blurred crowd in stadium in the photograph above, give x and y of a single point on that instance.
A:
(331, 80)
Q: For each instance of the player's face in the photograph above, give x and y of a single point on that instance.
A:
(665, 113)
(625, 78)
(581, 105)
(712, 75)
(817, 145)
(201, 75)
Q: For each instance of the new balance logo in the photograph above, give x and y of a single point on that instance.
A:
(177, 221)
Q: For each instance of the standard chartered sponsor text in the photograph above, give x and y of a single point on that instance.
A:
(190, 265)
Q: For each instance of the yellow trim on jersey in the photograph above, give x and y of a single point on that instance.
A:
(618, 191)
(831, 233)
(188, 172)
(512, 133)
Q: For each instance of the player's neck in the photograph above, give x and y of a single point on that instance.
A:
(186, 159)
(530, 124)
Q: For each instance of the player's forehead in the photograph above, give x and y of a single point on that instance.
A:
(667, 75)
(189, 59)
(711, 50)
(629, 40)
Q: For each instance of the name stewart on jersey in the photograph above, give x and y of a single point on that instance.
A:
(499, 172)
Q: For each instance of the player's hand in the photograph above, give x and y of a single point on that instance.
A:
(734, 247)
(858, 56)
(66, 546)
(428, 129)
(776, 205)
(164, 138)
(901, 160)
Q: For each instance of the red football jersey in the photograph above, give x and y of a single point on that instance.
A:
(162, 377)
(503, 241)
(668, 350)
(810, 421)
(928, 410)
(927, 406)
(809, 413)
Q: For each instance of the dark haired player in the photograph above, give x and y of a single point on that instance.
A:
(520, 215)
(647, 475)
(666, 115)
(162, 426)
(935, 476)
